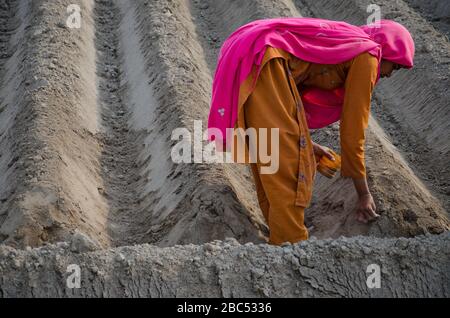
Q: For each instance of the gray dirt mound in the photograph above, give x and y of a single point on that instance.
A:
(436, 11)
(418, 267)
(86, 122)
(93, 153)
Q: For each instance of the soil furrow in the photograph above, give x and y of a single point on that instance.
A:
(119, 148)
(9, 21)
(172, 198)
(88, 117)
(437, 12)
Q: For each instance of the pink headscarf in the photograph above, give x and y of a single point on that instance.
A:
(310, 39)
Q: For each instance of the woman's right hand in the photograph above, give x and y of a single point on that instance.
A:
(320, 151)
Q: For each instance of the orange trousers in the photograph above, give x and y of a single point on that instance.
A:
(283, 196)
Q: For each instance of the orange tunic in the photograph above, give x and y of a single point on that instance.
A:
(275, 103)
(359, 77)
(284, 194)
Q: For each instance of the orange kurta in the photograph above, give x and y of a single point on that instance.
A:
(275, 103)
(359, 77)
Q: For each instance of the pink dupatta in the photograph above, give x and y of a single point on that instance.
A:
(310, 39)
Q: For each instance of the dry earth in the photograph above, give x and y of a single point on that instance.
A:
(86, 117)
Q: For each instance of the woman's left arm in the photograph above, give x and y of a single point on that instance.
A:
(359, 84)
